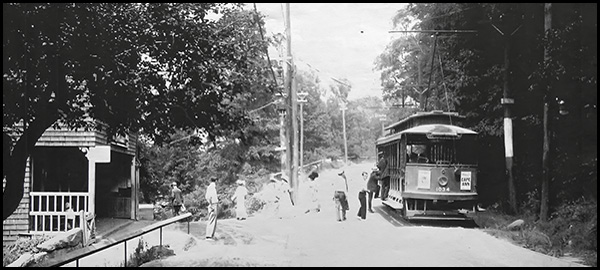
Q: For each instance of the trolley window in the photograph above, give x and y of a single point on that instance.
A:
(420, 149)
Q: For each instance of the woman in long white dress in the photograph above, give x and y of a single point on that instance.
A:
(239, 197)
(314, 205)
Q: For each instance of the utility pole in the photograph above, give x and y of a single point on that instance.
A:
(302, 100)
(292, 153)
(508, 130)
(343, 108)
(281, 108)
(281, 105)
(546, 148)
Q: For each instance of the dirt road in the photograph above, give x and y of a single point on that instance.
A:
(317, 239)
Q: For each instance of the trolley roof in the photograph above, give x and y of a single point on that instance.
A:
(420, 118)
(431, 129)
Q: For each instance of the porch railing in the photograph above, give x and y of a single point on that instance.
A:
(48, 212)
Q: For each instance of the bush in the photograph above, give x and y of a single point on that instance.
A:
(254, 204)
(196, 204)
(536, 240)
(573, 228)
(531, 206)
(161, 211)
(143, 255)
(23, 245)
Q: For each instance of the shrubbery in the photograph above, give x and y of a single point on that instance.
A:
(143, 254)
(254, 204)
(572, 229)
(197, 205)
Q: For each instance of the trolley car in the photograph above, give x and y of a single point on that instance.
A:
(432, 165)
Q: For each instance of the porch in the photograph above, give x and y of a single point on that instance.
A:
(93, 174)
(68, 180)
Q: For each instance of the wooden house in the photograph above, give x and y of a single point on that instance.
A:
(81, 169)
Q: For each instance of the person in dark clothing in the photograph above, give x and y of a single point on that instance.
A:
(177, 199)
(362, 197)
(372, 188)
(382, 165)
(362, 211)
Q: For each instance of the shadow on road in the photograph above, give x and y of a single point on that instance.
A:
(445, 223)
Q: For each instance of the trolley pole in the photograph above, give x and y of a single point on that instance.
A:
(422, 96)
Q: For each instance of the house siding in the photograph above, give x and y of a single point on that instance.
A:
(80, 138)
(18, 222)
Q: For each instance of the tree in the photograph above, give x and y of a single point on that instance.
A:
(567, 76)
(472, 74)
(399, 80)
(153, 68)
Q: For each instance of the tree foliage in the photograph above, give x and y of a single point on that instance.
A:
(466, 75)
(154, 68)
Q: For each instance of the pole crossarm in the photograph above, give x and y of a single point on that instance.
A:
(302, 97)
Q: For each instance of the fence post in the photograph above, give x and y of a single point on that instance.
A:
(125, 243)
(83, 225)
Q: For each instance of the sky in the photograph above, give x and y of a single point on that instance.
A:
(338, 40)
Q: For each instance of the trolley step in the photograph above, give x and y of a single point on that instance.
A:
(393, 204)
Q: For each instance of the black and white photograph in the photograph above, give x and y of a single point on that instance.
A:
(299, 135)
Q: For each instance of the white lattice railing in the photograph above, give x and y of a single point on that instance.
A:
(47, 212)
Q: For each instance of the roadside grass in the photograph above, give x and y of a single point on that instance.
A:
(571, 231)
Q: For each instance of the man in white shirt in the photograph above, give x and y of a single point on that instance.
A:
(213, 201)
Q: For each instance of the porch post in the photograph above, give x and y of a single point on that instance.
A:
(134, 188)
(91, 185)
(97, 154)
